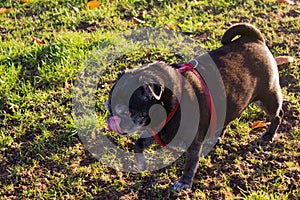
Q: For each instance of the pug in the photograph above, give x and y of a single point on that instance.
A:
(249, 74)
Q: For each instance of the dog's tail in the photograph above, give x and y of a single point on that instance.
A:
(244, 30)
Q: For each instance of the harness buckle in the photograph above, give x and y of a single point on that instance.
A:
(193, 60)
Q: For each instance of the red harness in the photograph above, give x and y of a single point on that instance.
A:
(184, 68)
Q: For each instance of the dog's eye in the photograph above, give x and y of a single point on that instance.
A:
(127, 113)
(145, 98)
(124, 114)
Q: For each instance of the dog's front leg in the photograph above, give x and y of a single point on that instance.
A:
(140, 145)
(190, 168)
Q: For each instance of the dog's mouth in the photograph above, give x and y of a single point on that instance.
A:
(122, 127)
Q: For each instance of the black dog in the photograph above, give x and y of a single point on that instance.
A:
(249, 73)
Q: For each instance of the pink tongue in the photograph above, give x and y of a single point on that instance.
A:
(113, 124)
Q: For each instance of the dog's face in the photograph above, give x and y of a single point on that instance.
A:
(128, 117)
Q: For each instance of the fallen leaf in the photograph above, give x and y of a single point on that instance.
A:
(137, 21)
(290, 2)
(92, 4)
(258, 124)
(76, 9)
(5, 10)
(172, 27)
(38, 41)
(280, 60)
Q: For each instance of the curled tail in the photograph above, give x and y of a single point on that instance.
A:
(242, 29)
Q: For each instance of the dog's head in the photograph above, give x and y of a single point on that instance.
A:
(129, 103)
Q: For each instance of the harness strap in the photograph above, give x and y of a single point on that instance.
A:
(213, 117)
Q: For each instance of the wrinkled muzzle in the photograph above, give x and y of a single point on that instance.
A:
(113, 124)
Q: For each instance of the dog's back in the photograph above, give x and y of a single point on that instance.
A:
(248, 69)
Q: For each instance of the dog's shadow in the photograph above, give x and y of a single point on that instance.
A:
(240, 165)
(253, 157)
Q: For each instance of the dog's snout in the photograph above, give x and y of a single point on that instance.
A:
(122, 110)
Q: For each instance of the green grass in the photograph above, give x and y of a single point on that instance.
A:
(41, 156)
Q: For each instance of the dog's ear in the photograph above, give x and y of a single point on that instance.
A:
(155, 90)
(175, 65)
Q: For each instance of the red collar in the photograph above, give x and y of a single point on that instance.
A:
(184, 68)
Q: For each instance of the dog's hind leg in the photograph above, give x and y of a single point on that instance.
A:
(272, 105)
(140, 145)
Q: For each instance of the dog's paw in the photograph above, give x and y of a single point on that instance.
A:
(178, 186)
(267, 137)
(141, 163)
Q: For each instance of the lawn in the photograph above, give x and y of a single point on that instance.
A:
(46, 44)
